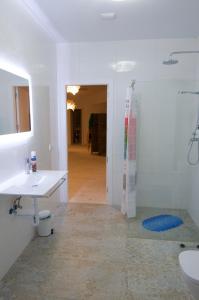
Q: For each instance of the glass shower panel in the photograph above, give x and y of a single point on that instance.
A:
(165, 123)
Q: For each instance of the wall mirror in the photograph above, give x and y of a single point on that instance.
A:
(15, 114)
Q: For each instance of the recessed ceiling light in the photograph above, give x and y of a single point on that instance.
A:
(108, 15)
(123, 66)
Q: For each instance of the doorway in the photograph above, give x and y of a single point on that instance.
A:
(87, 144)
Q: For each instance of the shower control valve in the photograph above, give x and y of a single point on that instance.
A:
(194, 139)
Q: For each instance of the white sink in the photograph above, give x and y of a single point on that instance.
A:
(38, 184)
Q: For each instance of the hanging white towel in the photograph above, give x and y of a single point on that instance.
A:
(128, 206)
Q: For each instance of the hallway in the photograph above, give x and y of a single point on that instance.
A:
(87, 176)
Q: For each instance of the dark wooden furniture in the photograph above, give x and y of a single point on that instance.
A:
(98, 133)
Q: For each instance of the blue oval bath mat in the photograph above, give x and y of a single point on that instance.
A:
(162, 223)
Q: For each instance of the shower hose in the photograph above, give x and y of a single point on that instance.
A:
(194, 139)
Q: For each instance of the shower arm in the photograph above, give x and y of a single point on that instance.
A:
(188, 92)
(183, 52)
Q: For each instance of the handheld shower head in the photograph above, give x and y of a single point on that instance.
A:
(170, 61)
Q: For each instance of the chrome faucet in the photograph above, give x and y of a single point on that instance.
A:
(28, 166)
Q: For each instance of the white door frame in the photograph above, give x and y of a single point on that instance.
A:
(62, 128)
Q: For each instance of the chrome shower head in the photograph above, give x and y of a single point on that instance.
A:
(170, 62)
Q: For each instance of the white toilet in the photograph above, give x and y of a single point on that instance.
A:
(189, 263)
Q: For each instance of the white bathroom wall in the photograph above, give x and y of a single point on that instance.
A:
(158, 163)
(24, 46)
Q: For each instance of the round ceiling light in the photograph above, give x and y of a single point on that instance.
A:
(123, 66)
(108, 15)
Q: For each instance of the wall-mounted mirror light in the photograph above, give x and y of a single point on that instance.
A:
(15, 104)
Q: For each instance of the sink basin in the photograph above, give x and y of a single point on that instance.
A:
(38, 184)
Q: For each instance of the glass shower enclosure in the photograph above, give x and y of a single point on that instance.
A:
(166, 120)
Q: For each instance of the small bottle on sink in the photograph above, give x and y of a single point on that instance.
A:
(33, 161)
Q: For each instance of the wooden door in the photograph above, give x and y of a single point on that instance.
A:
(98, 133)
(102, 134)
(94, 133)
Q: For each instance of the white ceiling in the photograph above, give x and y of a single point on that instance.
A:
(79, 20)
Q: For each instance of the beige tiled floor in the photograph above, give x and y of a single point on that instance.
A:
(87, 176)
(91, 256)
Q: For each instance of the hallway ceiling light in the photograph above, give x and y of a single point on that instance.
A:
(123, 66)
(73, 89)
(71, 105)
